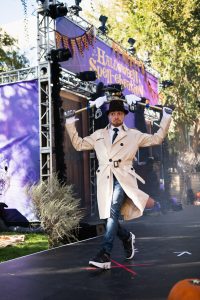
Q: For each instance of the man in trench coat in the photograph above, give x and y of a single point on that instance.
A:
(117, 189)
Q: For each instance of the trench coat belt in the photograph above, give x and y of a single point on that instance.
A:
(124, 163)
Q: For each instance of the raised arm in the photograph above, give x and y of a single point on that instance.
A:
(146, 140)
(80, 144)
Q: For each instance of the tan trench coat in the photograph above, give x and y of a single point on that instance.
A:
(117, 159)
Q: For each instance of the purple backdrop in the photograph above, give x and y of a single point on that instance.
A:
(19, 144)
(111, 66)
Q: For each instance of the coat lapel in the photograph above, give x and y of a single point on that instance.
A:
(115, 146)
(120, 136)
(107, 139)
(112, 147)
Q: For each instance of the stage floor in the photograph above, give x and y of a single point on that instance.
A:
(168, 250)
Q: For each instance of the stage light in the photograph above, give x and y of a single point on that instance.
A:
(77, 2)
(103, 28)
(43, 72)
(41, 1)
(59, 55)
(57, 10)
(147, 61)
(131, 49)
(87, 76)
(56, 75)
(114, 88)
(167, 83)
(75, 9)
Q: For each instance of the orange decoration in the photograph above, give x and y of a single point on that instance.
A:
(58, 39)
(127, 58)
(65, 41)
(73, 44)
(143, 69)
(91, 36)
(79, 44)
(85, 41)
(186, 289)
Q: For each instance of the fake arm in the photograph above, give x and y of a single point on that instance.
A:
(146, 140)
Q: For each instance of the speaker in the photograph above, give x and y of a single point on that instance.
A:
(12, 217)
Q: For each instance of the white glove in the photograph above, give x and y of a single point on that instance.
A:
(167, 112)
(98, 102)
(132, 99)
(70, 117)
(71, 120)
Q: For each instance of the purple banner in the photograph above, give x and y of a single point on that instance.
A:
(112, 63)
(19, 144)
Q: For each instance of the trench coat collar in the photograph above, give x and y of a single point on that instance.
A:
(121, 134)
(124, 127)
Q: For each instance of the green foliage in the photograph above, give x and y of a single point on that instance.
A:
(34, 242)
(10, 58)
(57, 209)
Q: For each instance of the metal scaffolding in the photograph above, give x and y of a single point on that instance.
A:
(45, 42)
(19, 75)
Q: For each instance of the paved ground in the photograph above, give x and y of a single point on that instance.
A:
(168, 250)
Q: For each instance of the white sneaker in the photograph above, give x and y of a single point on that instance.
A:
(101, 260)
(129, 246)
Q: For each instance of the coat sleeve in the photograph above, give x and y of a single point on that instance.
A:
(80, 144)
(146, 140)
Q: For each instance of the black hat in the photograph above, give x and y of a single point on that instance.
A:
(117, 105)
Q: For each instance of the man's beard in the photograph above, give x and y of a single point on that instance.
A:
(117, 123)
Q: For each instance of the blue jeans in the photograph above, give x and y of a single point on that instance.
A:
(113, 227)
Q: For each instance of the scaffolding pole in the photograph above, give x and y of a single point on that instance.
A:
(45, 42)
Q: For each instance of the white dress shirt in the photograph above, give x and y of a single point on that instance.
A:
(111, 131)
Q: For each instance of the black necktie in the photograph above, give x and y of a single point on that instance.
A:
(115, 134)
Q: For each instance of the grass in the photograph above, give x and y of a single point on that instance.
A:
(34, 242)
